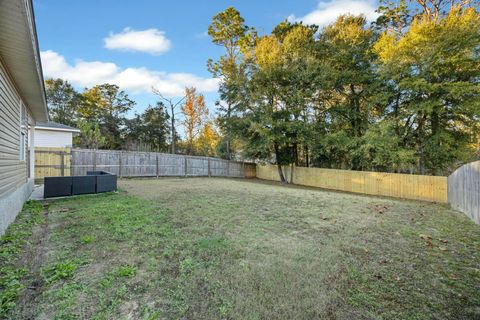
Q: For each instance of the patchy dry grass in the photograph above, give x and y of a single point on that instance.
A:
(203, 248)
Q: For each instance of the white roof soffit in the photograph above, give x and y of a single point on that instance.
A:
(56, 129)
(20, 54)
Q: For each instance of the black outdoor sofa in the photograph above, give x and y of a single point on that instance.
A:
(93, 182)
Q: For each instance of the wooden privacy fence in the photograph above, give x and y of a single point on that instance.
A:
(153, 164)
(464, 190)
(52, 162)
(461, 189)
(407, 186)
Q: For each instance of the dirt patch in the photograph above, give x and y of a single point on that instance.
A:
(379, 208)
(33, 260)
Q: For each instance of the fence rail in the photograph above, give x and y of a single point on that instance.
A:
(153, 164)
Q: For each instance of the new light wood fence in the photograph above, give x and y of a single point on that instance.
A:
(52, 162)
(464, 190)
(407, 186)
(152, 164)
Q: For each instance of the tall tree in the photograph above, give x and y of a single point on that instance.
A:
(195, 114)
(172, 114)
(90, 135)
(229, 31)
(207, 140)
(150, 129)
(107, 105)
(62, 101)
(434, 67)
(280, 87)
(350, 91)
(399, 93)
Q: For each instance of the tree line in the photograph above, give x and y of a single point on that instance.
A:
(401, 94)
(101, 114)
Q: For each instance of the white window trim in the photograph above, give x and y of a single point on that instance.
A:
(22, 145)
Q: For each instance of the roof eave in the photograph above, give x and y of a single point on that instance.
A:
(56, 129)
(20, 52)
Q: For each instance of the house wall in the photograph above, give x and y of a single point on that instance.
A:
(53, 139)
(15, 120)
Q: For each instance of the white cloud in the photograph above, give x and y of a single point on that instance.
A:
(136, 80)
(151, 41)
(327, 12)
(201, 35)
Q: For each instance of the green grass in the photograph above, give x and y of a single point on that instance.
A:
(234, 249)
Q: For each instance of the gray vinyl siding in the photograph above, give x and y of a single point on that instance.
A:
(13, 172)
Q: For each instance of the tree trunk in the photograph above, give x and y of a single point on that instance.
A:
(173, 129)
(280, 173)
(307, 156)
(228, 148)
(229, 157)
(421, 144)
(279, 166)
(292, 167)
(295, 153)
(435, 120)
(421, 161)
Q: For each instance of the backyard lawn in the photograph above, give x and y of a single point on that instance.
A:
(207, 248)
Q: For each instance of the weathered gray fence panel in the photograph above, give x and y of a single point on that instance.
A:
(197, 166)
(107, 161)
(218, 168)
(464, 190)
(151, 164)
(82, 161)
(170, 165)
(236, 169)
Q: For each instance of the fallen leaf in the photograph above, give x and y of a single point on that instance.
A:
(426, 237)
(442, 248)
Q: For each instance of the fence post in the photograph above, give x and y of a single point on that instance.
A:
(94, 159)
(209, 172)
(70, 168)
(62, 163)
(228, 168)
(185, 166)
(120, 154)
(156, 160)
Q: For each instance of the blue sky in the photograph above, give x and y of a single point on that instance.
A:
(140, 44)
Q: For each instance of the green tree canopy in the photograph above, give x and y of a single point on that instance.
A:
(63, 101)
